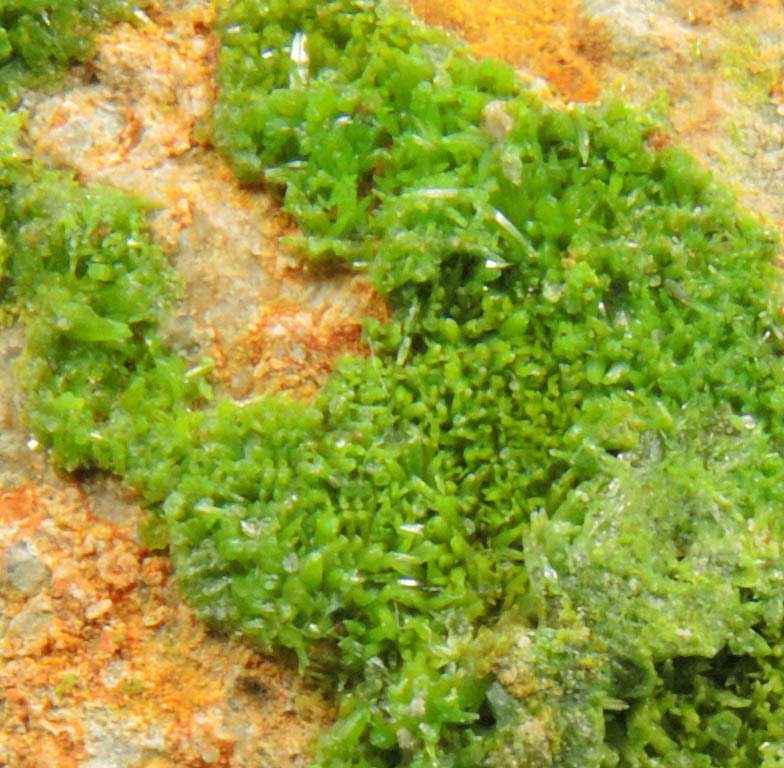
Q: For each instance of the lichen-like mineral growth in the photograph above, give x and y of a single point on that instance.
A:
(540, 525)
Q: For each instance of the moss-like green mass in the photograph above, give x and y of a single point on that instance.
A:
(39, 38)
(541, 524)
(655, 593)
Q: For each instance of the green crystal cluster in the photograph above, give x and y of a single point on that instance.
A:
(93, 289)
(541, 523)
(39, 38)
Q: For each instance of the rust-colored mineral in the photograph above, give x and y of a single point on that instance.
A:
(554, 39)
(101, 664)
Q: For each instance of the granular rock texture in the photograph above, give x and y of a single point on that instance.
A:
(104, 667)
(716, 65)
(553, 40)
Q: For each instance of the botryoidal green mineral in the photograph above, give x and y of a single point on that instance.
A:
(541, 524)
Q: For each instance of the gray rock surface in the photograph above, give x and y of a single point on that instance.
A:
(21, 569)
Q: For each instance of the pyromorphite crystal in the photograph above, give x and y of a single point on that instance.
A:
(39, 38)
(654, 632)
(541, 524)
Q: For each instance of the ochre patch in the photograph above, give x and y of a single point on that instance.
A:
(94, 638)
(293, 348)
(551, 38)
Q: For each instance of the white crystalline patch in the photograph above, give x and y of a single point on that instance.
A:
(299, 55)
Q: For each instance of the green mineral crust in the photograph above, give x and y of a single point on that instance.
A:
(541, 524)
(40, 38)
